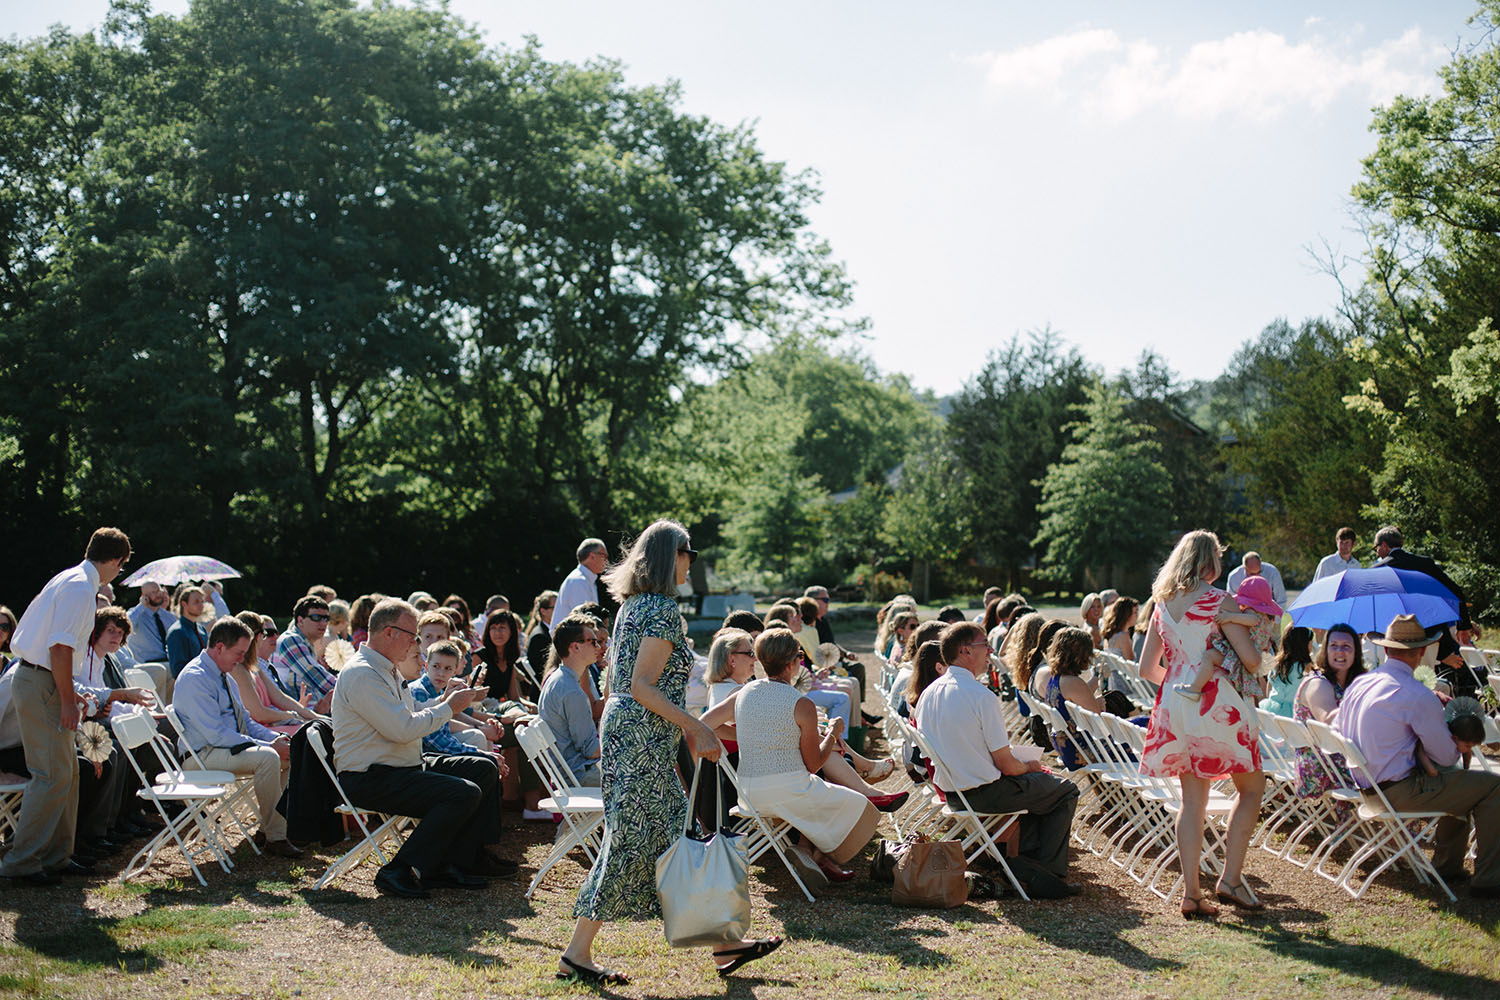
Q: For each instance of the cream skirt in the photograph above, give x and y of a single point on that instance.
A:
(825, 814)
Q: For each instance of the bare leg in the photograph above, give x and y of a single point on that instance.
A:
(1190, 832)
(580, 949)
(838, 771)
(1242, 820)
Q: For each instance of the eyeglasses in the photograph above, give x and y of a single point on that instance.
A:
(692, 554)
(408, 631)
(317, 616)
(271, 630)
(741, 652)
(547, 607)
(588, 642)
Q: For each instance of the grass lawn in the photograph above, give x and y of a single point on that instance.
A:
(263, 932)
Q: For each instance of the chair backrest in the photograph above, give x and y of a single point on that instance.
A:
(133, 728)
(539, 744)
(136, 729)
(319, 748)
(136, 677)
(176, 722)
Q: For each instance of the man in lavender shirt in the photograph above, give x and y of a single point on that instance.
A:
(1386, 713)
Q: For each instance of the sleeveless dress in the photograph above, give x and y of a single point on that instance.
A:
(1060, 742)
(1214, 736)
(644, 802)
(773, 776)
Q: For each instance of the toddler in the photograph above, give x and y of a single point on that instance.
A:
(1465, 718)
(1259, 613)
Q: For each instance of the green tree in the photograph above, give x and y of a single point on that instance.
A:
(1006, 428)
(930, 517)
(1105, 503)
(1431, 295)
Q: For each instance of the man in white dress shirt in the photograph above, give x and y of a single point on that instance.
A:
(582, 585)
(1337, 562)
(1253, 565)
(50, 641)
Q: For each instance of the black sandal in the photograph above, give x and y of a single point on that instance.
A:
(596, 977)
(1231, 895)
(746, 953)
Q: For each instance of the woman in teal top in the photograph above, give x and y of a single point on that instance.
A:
(644, 802)
(1286, 676)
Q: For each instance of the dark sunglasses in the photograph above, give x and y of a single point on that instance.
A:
(318, 616)
(692, 555)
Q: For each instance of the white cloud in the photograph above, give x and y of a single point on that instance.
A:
(1256, 74)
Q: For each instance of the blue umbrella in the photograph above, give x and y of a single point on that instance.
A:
(1367, 600)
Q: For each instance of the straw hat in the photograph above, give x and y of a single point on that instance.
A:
(1405, 632)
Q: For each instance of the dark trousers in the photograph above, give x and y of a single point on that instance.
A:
(456, 799)
(1047, 827)
(95, 809)
(1460, 794)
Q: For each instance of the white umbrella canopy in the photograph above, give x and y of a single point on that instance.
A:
(178, 569)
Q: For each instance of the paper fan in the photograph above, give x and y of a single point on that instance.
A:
(93, 742)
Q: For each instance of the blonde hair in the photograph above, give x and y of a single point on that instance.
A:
(777, 650)
(1196, 551)
(719, 665)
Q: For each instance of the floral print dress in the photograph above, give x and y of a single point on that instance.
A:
(644, 804)
(1214, 736)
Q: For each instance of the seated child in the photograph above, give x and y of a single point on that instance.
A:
(1259, 614)
(442, 667)
(1465, 717)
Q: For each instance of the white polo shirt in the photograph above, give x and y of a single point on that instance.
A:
(961, 719)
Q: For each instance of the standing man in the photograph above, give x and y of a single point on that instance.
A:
(1337, 562)
(1253, 565)
(1387, 712)
(186, 638)
(216, 726)
(50, 641)
(149, 622)
(377, 739)
(961, 719)
(582, 585)
(296, 659)
(1388, 552)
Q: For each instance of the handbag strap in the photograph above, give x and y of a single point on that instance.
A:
(687, 814)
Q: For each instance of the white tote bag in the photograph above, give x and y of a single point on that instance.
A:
(704, 885)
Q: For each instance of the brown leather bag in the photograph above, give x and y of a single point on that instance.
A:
(931, 873)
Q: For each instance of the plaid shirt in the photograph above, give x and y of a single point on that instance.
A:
(295, 660)
(440, 740)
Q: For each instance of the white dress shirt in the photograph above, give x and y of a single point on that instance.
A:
(1332, 563)
(961, 719)
(1270, 573)
(579, 587)
(61, 615)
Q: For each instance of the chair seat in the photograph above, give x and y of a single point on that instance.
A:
(213, 777)
(181, 791)
(1373, 810)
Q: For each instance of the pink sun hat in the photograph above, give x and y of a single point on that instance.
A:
(1255, 592)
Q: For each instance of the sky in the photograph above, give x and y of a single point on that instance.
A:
(1152, 175)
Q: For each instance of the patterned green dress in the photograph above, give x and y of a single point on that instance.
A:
(644, 803)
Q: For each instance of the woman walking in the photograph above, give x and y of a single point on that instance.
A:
(644, 803)
(1198, 742)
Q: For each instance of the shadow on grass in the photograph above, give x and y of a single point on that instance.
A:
(1094, 922)
(1284, 932)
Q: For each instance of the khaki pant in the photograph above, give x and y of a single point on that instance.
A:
(270, 778)
(1460, 794)
(49, 809)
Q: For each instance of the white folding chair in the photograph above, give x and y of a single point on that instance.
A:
(239, 807)
(978, 831)
(387, 827)
(1387, 832)
(191, 827)
(1316, 815)
(1279, 762)
(10, 807)
(761, 833)
(581, 808)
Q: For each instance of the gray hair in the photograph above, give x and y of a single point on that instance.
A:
(1389, 535)
(719, 667)
(650, 567)
(388, 612)
(815, 592)
(588, 545)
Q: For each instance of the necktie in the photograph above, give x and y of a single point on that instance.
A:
(161, 629)
(239, 712)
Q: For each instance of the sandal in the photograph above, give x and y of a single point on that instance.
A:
(746, 953)
(1200, 907)
(1232, 895)
(595, 977)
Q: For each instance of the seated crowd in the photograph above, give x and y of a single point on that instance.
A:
(421, 701)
